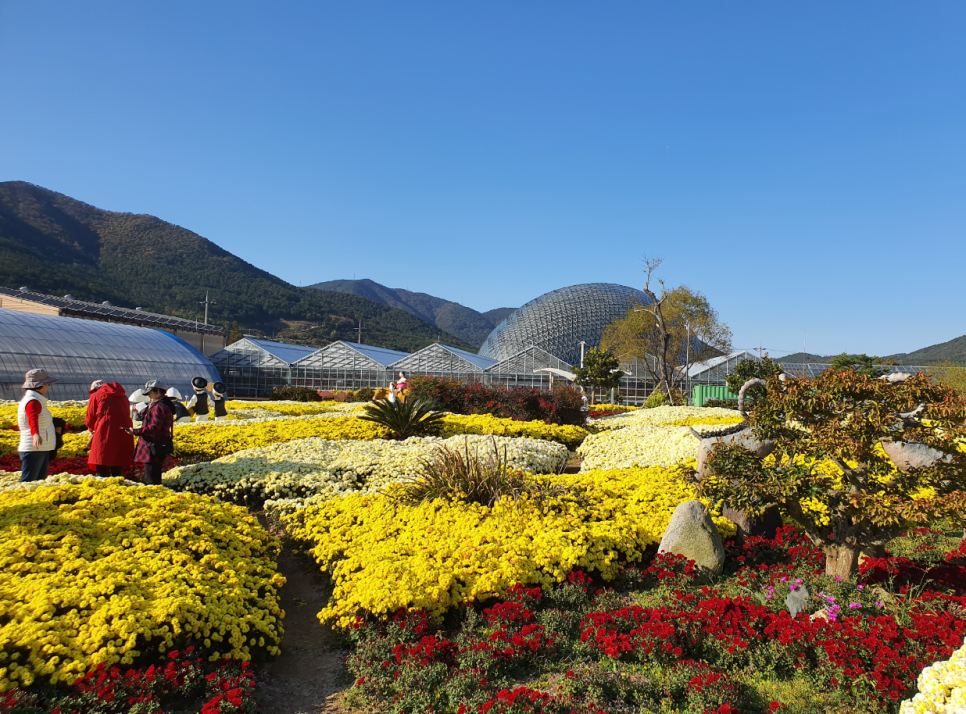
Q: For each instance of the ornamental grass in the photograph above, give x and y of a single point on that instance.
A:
(106, 573)
(384, 555)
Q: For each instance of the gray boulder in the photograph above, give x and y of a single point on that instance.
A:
(691, 533)
(909, 455)
(745, 438)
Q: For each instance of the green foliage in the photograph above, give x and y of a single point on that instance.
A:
(234, 334)
(863, 364)
(601, 370)
(296, 394)
(459, 475)
(752, 369)
(658, 398)
(828, 472)
(952, 375)
(413, 417)
(57, 245)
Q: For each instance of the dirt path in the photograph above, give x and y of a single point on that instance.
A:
(310, 672)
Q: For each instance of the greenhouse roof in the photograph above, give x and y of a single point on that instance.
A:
(379, 354)
(702, 367)
(442, 358)
(282, 350)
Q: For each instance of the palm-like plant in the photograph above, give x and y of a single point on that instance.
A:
(403, 418)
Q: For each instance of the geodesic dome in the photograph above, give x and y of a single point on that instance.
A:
(559, 320)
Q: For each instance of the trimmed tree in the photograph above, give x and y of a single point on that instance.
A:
(601, 370)
(752, 369)
(857, 460)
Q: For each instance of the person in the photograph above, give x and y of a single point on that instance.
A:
(198, 404)
(156, 435)
(218, 390)
(181, 413)
(139, 402)
(401, 386)
(37, 436)
(106, 419)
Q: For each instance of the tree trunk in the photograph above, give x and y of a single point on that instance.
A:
(841, 560)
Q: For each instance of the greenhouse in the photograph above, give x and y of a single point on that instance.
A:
(345, 366)
(77, 352)
(559, 321)
(252, 367)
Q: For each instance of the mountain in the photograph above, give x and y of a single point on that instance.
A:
(952, 351)
(810, 358)
(446, 315)
(55, 244)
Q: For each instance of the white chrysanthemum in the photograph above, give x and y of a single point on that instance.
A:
(942, 688)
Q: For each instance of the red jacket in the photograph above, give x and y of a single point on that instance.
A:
(108, 413)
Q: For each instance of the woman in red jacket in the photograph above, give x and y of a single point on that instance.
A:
(108, 416)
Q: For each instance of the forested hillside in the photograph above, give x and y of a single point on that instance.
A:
(55, 244)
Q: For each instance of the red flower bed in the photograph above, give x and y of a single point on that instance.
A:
(846, 644)
(223, 687)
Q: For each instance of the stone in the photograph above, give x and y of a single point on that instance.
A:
(820, 615)
(909, 455)
(796, 600)
(764, 526)
(745, 438)
(692, 533)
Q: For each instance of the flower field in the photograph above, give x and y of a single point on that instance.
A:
(100, 573)
(118, 596)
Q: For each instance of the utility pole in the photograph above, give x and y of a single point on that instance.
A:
(206, 302)
(582, 345)
(687, 362)
(360, 331)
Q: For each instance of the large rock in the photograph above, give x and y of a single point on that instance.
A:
(745, 438)
(765, 526)
(909, 455)
(691, 533)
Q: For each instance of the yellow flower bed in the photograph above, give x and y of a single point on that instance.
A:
(436, 555)
(72, 413)
(569, 436)
(101, 572)
(209, 441)
(286, 408)
(74, 444)
(622, 408)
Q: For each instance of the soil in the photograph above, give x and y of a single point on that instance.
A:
(310, 674)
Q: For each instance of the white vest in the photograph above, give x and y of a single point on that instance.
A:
(45, 424)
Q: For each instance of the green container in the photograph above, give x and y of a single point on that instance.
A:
(701, 393)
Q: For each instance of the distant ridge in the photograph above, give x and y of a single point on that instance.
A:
(55, 244)
(464, 322)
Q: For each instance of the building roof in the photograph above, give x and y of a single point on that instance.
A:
(111, 313)
(77, 352)
(528, 361)
(351, 355)
(702, 367)
(378, 354)
(813, 369)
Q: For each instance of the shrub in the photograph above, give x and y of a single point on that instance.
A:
(562, 405)
(365, 394)
(413, 417)
(458, 475)
(296, 394)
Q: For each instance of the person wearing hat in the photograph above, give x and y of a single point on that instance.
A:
(198, 404)
(156, 434)
(181, 413)
(139, 402)
(218, 390)
(106, 419)
(38, 440)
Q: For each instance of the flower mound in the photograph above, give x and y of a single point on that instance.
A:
(286, 474)
(942, 687)
(671, 416)
(384, 555)
(101, 572)
(638, 446)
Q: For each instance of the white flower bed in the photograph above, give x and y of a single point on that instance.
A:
(942, 688)
(324, 468)
(667, 416)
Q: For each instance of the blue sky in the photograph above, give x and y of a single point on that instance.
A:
(803, 165)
